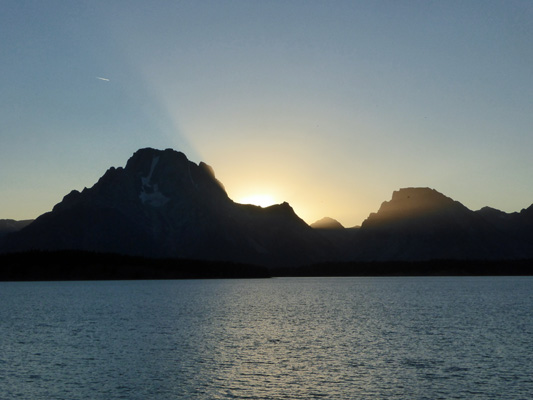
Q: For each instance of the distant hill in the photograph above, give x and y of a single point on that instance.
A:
(11, 225)
(327, 223)
(161, 205)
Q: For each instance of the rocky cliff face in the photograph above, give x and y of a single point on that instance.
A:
(163, 205)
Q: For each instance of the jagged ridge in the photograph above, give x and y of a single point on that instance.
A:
(163, 205)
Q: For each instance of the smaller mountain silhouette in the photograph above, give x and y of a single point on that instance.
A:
(423, 224)
(327, 223)
(11, 225)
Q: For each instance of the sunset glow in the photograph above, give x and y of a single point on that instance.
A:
(261, 200)
(329, 108)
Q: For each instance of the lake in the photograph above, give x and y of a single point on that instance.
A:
(284, 338)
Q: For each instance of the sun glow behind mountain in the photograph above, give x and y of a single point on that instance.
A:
(311, 104)
(261, 200)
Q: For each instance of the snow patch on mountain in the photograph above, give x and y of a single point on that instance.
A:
(150, 192)
(146, 181)
(155, 198)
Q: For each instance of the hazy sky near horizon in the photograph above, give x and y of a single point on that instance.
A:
(328, 105)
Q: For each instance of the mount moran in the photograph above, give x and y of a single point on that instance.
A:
(162, 205)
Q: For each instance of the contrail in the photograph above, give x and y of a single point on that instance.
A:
(102, 79)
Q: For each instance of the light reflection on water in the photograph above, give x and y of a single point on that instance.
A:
(294, 338)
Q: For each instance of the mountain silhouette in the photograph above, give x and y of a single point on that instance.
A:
(163, 205)
(423, 224)
(10, 225)
(327, 223)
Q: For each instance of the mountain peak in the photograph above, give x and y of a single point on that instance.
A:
(327, 223)
(411, 203)
(165, 172)
(143, 158)
(419, 197)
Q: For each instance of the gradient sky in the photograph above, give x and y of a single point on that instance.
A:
(328, 105)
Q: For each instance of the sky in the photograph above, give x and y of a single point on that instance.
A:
(328, 105)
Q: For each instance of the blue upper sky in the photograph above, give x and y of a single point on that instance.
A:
(329, 105)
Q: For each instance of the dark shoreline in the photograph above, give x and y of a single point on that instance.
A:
(57, 266)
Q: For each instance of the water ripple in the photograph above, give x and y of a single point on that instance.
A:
(356, 338)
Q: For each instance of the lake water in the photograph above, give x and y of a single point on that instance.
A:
(291, 338)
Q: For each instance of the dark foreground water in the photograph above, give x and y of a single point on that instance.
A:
(319, 338)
